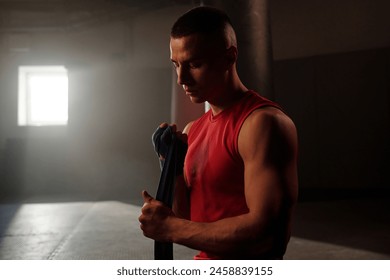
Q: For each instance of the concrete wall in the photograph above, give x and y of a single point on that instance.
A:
(331, 74)
(340, 104)
(304, 28)
(119, 91)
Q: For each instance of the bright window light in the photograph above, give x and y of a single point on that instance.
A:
(43, 95)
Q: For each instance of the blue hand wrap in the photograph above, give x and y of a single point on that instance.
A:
(167, 146)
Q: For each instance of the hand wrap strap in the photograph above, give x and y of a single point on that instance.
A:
(167, 145)
(161, 140)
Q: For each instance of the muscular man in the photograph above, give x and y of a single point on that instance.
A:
(239, 188)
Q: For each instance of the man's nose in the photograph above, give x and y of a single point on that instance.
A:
(183, 76)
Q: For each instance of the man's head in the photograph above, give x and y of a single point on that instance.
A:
(204, 52)
(209, 22)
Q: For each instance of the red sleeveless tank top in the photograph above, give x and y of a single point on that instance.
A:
(213, 167)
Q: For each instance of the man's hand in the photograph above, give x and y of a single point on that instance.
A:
(154, 218)
(162, 138)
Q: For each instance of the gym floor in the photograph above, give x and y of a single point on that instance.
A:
(46, 228)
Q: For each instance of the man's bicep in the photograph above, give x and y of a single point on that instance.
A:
(264, 192)
(267, 146)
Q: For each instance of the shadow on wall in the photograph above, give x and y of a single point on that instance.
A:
(340, 104)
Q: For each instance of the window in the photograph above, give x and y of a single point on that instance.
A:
(43, 95)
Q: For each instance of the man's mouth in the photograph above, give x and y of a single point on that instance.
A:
(190, 91)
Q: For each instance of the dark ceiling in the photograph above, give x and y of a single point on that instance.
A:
(54, 15)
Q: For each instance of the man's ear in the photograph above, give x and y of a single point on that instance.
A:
(231, 55)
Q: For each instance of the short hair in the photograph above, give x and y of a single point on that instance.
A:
(207, 21)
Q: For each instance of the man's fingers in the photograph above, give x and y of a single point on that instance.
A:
(147, 197)
(163, 125)
(150, 199)
(182, 137)
(173, 127)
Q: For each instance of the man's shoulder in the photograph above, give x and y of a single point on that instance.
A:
(269, 129)
(187, 127)
(269, 114)
(270, 119)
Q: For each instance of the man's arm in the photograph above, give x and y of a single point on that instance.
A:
(268, 146)
(181, 199)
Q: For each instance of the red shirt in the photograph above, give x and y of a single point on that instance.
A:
(213, 167)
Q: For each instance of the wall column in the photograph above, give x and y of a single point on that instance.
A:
(251, 22)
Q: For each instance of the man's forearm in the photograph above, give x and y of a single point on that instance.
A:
(235, 235)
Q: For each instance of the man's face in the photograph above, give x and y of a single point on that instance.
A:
(200, 67)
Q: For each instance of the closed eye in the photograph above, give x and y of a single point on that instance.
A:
(175, 65)
(196, 63)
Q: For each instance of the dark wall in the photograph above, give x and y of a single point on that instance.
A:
(331, 74)
(304, 28)
(340, 104)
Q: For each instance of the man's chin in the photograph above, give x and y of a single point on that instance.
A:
(197, 100)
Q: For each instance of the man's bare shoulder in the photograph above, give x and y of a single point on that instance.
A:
(268, 129)
(269, 118)
(187, 127)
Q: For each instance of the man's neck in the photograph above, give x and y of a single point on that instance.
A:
(227, 98)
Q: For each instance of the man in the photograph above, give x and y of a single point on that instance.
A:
(239, 188)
